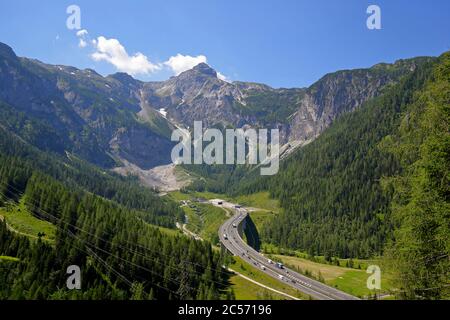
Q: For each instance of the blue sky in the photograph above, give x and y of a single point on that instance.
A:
(280, 43)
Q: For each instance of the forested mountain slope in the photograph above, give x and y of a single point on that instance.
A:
(419, 251)
(330, 190)
(80, 175)
(121, 256)
(104, 224)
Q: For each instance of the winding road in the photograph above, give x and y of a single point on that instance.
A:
(231, 239)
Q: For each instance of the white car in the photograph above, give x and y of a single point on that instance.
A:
(263, 268)
(281, 277)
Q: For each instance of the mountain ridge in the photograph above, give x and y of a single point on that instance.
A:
(115, 119)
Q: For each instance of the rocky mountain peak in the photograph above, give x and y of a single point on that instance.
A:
(205, 69)
(7, 52)
(123, 77)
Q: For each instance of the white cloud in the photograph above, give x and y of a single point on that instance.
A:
(82, 43)
(113, 52)
(82, 33)
(110, 50)
(180, 63)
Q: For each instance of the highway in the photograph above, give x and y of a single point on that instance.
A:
(230, 238)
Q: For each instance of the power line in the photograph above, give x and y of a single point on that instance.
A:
(182, 292)
(105, 251)
(92, 253)
(109, 233)
(122, 277)
(116, 272)
(127, 249)
(146, 257)
(184, 261)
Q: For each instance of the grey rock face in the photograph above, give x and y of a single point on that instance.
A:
(301, 114)
(84, 109)
(195, 95)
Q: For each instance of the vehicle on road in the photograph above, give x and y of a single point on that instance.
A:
(272, 268)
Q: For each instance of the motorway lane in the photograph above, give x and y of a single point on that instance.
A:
(238, 247)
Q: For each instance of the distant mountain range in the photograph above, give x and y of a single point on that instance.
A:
(117, 120)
